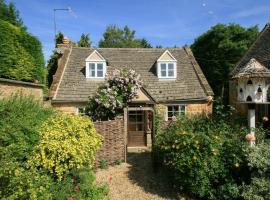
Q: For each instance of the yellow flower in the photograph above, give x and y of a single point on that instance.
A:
(236, 165)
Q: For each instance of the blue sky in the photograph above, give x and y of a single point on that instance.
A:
(161, 22)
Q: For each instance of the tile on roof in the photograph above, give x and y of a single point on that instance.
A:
(259, 50)
(190, 82)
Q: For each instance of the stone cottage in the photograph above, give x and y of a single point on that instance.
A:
(172, 82)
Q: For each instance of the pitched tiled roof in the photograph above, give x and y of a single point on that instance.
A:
(253, 69)
(190, 82)
(260, 50)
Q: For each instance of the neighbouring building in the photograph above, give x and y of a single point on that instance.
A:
(9, 87)
(250, 79)
(172, 82)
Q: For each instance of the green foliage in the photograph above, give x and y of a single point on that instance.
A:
(259, 163)
(117, 162)
(115, 37)
(9, 13)
(206, 156)
(219, 49)
(81, 185)
(120, 88)
(52, 67)
(25, 127)
(67, 142)
(103, 164)
(84, 41)
(59, 38)
(21, 56)
(20, 120)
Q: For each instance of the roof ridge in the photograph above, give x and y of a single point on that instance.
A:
(129, 48)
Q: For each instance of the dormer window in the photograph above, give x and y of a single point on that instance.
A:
(166, 66)
(95, 66)
(167, 70)
(96, 69)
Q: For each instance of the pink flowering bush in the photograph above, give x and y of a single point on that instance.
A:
(120, 88)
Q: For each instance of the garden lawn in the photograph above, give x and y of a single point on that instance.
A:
(136, 180)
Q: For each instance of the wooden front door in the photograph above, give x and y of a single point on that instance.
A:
(136, 129)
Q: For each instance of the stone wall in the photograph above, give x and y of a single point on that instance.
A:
(203, 108)
(9, 87)
(70, 108)
(191, 109)
(114, 145)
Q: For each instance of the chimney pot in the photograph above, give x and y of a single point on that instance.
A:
(66, 40)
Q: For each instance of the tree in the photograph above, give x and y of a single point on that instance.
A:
(84, 41)
(9, 13)
(59, 38)
(21, 55)
(115, 37)
(219, 49)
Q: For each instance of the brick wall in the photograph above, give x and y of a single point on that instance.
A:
(113, 147)
(9, 87)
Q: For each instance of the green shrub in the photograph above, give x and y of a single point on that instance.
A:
(259, 163)
(67, 142)
(205, 156)
(103, 164)
(20, 121)
(80, 184)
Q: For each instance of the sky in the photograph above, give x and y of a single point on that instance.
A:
(161, 22)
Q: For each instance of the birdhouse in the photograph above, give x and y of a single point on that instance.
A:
(253, 83)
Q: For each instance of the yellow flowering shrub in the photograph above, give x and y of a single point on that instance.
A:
(67, 142)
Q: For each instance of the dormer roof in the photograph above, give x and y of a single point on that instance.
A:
(95, 56)
(166, 56)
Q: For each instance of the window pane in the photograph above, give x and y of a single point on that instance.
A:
(176, 108)
(163, 73)
(92, 69)
(170, 114)
(170, 66)
(100, 66)
(182, 109)
(99, 73)
(93, 73)
(169, 108)
(163, 67)
(170, 73)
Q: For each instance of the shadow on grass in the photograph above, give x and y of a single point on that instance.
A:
(141, 173)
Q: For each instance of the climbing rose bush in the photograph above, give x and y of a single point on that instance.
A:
(67, 142)
(120, 88)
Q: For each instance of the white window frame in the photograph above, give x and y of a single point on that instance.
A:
(179, 105)
(78, 111)
(167, 69)
(88, 69)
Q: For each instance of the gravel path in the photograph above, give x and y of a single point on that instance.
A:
(135, 180)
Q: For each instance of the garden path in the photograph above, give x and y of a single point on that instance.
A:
(135, 180)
